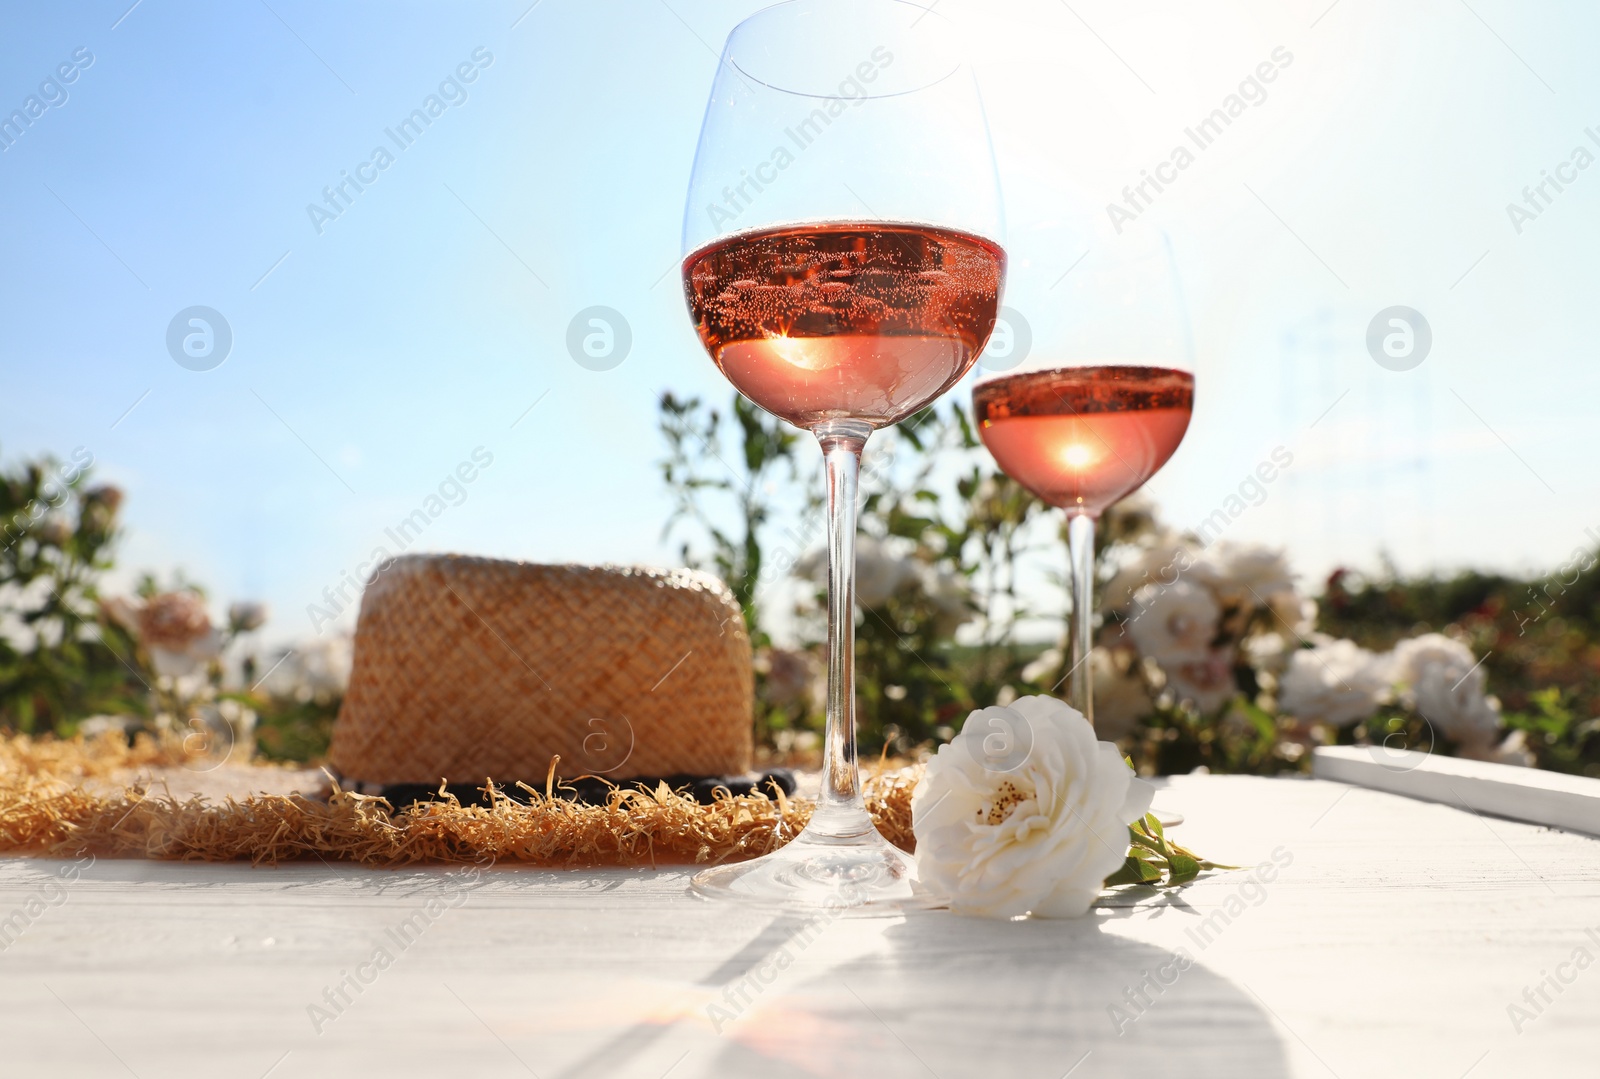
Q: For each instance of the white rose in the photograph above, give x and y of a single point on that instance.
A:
(1439, 678)
(1336, 682)
(1173, 624)
(1206, 683)
(1024, 811)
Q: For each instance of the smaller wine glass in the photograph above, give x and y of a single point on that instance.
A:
(1085, 420)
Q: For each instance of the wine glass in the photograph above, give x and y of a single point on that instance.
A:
(843, 268)
(1086, 419)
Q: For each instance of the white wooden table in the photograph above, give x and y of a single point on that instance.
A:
(1392, 944)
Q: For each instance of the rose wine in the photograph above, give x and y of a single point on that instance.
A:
(1083, 437)
(845, 321)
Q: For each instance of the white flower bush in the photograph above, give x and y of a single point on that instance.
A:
(1003, 837)
(1336, 682)
(1189, 623)
(1203, 638)
(1439, 678)
(1200, 612)
(1199, 607)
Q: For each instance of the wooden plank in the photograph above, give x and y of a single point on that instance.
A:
(1526, 794)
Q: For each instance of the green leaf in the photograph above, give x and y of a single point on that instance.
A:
(1150, 828)
(1181, 869)
(1152, 825)
(1127, 874)
(1133, 871)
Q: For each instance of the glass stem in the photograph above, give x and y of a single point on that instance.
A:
(1080, 548)
(840, 813)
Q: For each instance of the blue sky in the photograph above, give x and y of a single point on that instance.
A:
(371, 359)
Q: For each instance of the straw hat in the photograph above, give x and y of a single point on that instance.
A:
(474, 668)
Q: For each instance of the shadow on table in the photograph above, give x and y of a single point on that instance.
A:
(939, 995)
(953, 997)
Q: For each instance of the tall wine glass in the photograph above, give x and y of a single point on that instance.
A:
(1099, 404)
(843, 268)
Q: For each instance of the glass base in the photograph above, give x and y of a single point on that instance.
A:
(1166, 810)
(835, 864)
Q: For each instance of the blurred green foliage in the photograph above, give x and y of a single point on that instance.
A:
(293, 731)
(694, 469)
(61, 658)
